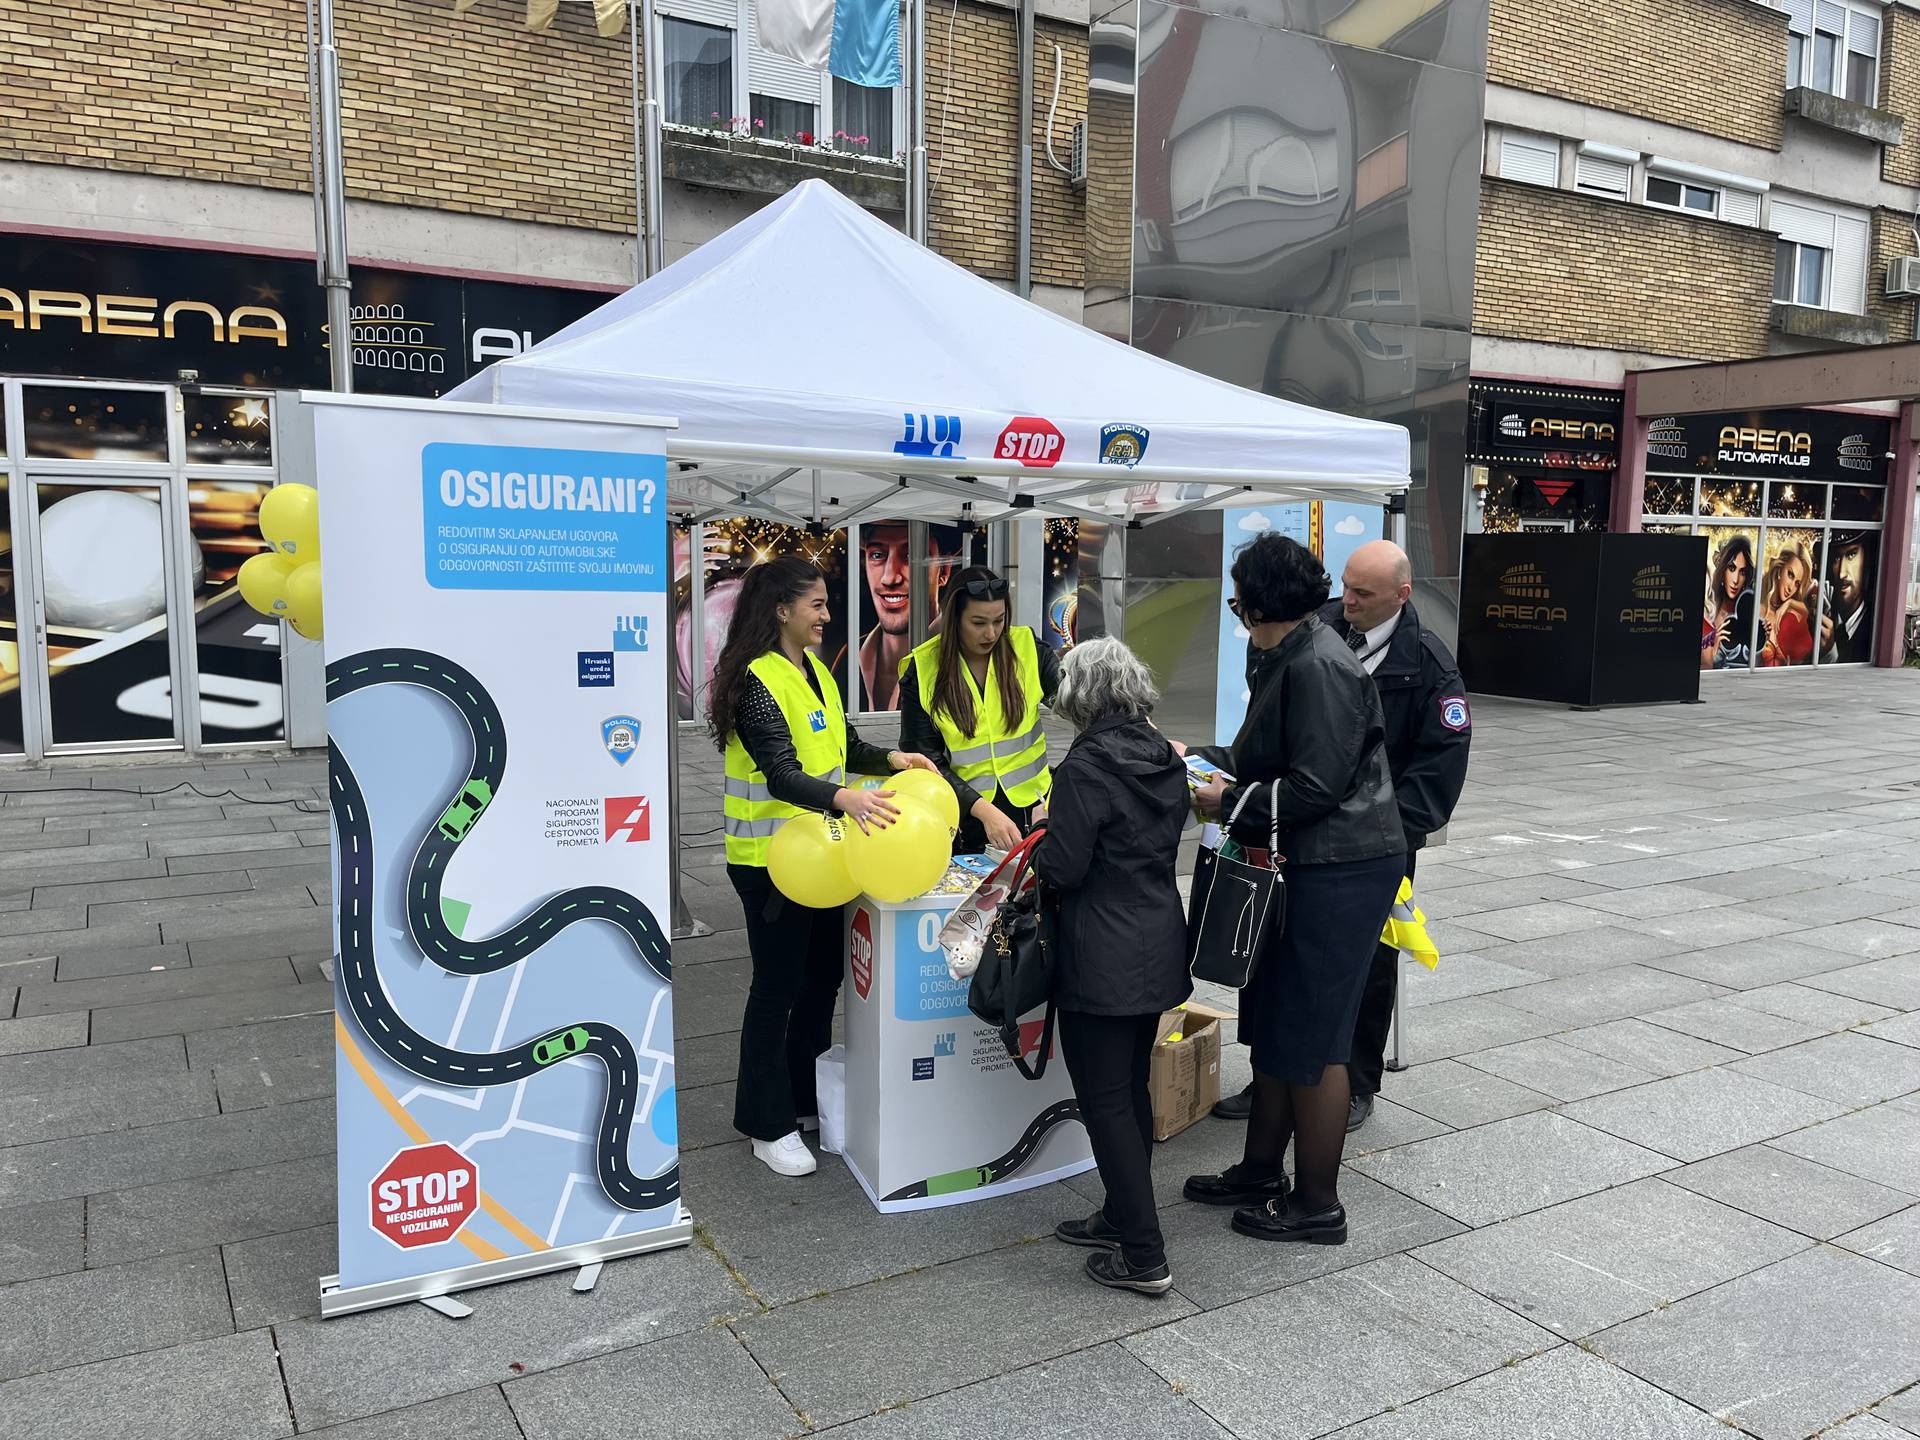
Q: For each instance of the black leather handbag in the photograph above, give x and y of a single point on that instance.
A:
(1015, 976)
(1236, 910)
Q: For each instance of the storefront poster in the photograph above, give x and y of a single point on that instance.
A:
(1731, 602)
(1789, 595)
(886, 599)
(496, 594)
(1332, 529)
(1060, 620)
(1846, 620)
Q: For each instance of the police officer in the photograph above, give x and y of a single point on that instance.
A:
(1429, 728)
(970, 698)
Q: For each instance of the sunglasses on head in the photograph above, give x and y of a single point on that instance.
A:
(994, 589)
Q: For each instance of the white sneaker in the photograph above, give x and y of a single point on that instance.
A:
(788, 1155)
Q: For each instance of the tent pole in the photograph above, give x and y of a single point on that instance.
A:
(917, 188)
(685, 926)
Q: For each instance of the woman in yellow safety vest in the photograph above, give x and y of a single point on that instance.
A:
(970, 699)
(776, 715)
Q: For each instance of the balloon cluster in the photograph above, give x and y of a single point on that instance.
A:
(823, 862)
(284, 584)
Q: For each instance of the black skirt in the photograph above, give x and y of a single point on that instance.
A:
(1299, 1012)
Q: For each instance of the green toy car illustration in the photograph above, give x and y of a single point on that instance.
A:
(559, 1047)
(465, 809)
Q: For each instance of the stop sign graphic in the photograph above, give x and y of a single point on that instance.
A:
(424, 1195)
(1036, 443)
(860, 952)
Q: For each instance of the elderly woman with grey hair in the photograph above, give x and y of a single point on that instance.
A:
(1112, 834)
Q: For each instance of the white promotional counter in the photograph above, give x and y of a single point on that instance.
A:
(936, 1112)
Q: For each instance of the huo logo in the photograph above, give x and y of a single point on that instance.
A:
(1524, 594)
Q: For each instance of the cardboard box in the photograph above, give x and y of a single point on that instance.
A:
(1184, 1079)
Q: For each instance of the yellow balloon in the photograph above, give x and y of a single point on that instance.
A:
(905, 859)
(290, 519)
(933, 790)
(311, 632)
(303, 599)
(263, 581)
(808, 861)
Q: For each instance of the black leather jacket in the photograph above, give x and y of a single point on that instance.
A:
(1314, 724)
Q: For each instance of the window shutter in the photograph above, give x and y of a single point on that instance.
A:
(1531, 158)
(1802, 224)
(1830, 17)
(1799, 16)
(707, 12)
(775, 75)
(1601, 176)
(1863, 35)
(1849, 265)
(1740, 207)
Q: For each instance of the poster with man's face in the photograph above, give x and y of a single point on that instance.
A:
(887, 571)
(1846, 621)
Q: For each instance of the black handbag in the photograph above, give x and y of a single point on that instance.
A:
(1017, 963)
(1236, 909)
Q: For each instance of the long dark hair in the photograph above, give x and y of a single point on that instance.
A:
(951, 692)
(756, 630)
(1735, 546)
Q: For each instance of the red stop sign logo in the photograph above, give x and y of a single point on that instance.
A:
(424, 1195)
(1034, 442)
(860, 952)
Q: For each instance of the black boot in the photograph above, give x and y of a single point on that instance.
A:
(1110, 1268)
(1094, 1231)
(1359, 1111)
(1280, 1220)
(1235, 1107)
(1236, 1185)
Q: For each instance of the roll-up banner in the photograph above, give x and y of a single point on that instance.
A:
(495, 593)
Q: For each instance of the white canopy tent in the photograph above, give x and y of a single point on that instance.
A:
(822, 365)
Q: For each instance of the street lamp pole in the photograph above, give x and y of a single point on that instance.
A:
(330, 189)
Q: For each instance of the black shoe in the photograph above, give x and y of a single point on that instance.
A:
(1236, 1185)
(1110, 1268)
(1359, 1111)
(1277, 1220)
(1235, 1107)
(1094, 1231)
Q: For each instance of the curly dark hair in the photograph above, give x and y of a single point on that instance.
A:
(1279, 579)
(756, 630)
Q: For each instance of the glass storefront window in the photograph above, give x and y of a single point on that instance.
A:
(240, 697)
(1669, 495)
(1730, 498)
(1731, 607)
(1859, 502)
(1846, 620)
(88, 424)
(1789, 596)
(1666, 529)
(228, 429)
(12, 733)
(1796, 500)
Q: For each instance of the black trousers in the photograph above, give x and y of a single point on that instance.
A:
(789, 1017)
(1367, 1061)
(1107, 1057)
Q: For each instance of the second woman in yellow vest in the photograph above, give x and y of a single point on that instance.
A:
(777, 716)
(970, 698)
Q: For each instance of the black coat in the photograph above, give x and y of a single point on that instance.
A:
(1114, 819)
(1423, 702)
(1313, 723)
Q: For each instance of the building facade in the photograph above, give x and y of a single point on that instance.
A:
(157, 280)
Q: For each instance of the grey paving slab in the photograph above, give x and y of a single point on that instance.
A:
(209, 1210)
(1850, 1069)
(104, 890)
(224, 1389)
(1533, 921)
(1901, 1029)
(1705, 1112)
(1578, 953)
(1612, 994)
(1458, 1096)
(1309, 1359)
(1510, 1167)
(1893, 1241)
(87, 1165)
(87, 1090)
(279, 1080)
(475, 1415)
(1728, 1023)
(17, 972)
(276, 1278)
(270, 944)
(42, 1032)
(1594, 1262)
(1089, 1395)
(1461, 975)
(702, 1385)
(1860, 901)
(1754, 963)
(194, 917)
(1479, 1022)
(1851, 1326)
(203, 850)
(387, 1359)
(212, 1012)
(40, 1240)
(100, 964)
(1866, 1427)
(1865, 939)
(1789, 1190)
(20, 923)
(1565, 1394)
(1880, 1144)
(1214, 1266)
(1562, 1071)
(1802, 1001)
(1390, 1125)
(1649, 901)
(1716, 926)
(264, 1041)
(47, 944)
(88, 1315)
(241, 859)
(145, 989)
(1894, 982)
(1042, 1303)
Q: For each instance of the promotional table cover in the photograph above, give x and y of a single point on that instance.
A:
(495, 606)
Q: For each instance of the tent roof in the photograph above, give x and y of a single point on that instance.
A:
(813, 337)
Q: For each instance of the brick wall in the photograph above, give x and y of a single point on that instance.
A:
(1892, 237)
(1577, 270)
(1716, 66)
(1900, 91)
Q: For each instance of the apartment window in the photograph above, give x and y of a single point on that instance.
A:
(1800, 274)
(860, 110)
(776, 118)
(1821, 258)
(1534, 159)
(1597, 172)
(1835, 47)
(699, 71)
(1682, 195)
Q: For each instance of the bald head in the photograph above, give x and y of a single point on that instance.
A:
(1377, 581)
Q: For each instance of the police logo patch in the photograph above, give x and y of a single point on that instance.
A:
(1123, 444)
(1453, 712)
(621, 735)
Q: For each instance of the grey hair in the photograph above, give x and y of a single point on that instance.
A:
(1100, 678)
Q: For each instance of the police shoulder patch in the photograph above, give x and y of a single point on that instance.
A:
(1454, 713)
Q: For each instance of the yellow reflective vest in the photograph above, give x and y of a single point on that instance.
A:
(818, 724)
(998, 755)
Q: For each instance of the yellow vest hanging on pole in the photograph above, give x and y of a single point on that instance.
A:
(1406, 929)
(818, 725)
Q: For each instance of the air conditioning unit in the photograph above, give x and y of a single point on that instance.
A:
(1903, 277)
(1077, 157)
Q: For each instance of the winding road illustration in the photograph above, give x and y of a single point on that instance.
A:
(996, 1170)
(359, 972)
